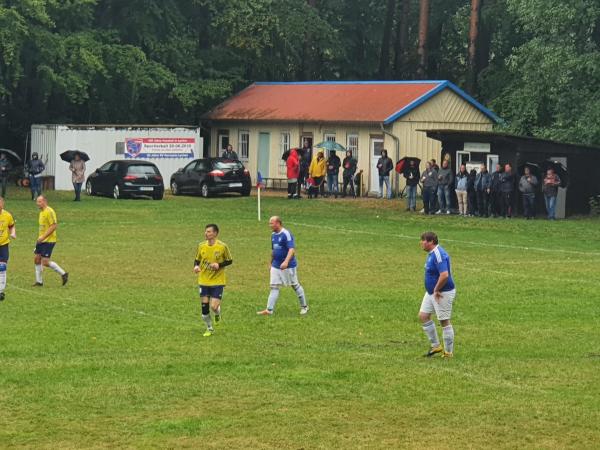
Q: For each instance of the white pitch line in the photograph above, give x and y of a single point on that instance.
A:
(75, 302)
(478, 244)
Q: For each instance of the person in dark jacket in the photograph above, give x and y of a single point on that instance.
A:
(495, 194)
(483, 183)
(471, 194)
(527, 186)
(35, 167)
(384, 167)
(229, 153)
(507, 189)
(349, 165)
(304, 156)
(333, 172)
(5, 168)
(445, 180)
(411, 173)
(429, 180)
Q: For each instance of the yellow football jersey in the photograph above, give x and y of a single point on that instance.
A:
(207, 254)
(47, 218)
(6, 222)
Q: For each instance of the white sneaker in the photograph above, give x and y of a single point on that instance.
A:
(448, 212)
(304, 311)
(439, 211)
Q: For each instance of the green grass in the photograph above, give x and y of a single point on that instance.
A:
(117, 358)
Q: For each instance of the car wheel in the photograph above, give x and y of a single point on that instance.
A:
(245, 193)
(174, 188)
(204, 190)
(157, 195)
(89, 189)
(116, 192)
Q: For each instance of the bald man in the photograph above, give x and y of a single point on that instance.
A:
(283, 267)
(45, 243)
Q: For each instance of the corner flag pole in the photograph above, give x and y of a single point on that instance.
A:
(259, 184)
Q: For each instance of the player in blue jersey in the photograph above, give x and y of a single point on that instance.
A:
(283, 267)
(439, 296)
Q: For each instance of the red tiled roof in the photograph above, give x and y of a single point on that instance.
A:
(324, 102)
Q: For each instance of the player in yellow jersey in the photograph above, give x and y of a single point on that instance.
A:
(211, 259)
(45, 243)
(7, 231)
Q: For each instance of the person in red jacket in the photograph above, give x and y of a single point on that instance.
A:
(293, 172)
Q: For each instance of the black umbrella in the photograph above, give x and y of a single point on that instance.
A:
(69, 155)
(559, 170)
(533, 168)
(10, 153)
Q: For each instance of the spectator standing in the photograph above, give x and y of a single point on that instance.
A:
(550, 190)
(483, 183)
(495, 194)
(229, 153)
(5, 168)
(333, 173)
(507, 188)
(349, 165)
(527, 186)
(384, 166)
(412, 180)
(462, 178)
(471, 194)
(303, 157)
(292, 164)
(77, 168)
(429, 180)
(35, 167)
(445, 179)
(317, 172)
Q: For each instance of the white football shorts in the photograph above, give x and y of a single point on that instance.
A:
(443, 309)
(284, 277)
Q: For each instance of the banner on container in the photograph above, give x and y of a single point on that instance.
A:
(159, 147)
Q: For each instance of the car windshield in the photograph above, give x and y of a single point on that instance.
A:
(229, 165)
(142, 170)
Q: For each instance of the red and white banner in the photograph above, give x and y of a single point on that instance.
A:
(160, 147)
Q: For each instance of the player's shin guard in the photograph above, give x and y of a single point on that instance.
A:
(273, 296)
(431, 332)
(300, 293)
(448, 333)
(2, 276)
(56, 268)
(206, 315)
(38, 273)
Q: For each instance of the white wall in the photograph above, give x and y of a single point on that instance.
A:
(100, 145)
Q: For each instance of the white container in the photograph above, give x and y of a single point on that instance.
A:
(104, 143)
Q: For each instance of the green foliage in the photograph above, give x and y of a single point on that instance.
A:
(169, 61)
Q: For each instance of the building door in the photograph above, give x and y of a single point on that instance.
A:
(376, 147)
(492, 160)
(561, 198)
(462, 158)
(222, 142)
(264, 149)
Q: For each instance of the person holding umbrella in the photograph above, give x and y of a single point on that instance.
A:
(77, 168)
(5, 168)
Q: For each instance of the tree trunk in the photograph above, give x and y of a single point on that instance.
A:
(423, 29)
(384, 61)
(473, 38)
(401, 39)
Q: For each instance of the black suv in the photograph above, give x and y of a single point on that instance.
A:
(122, 178)
(210, 176)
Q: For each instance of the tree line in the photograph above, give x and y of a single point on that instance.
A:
(535, 63)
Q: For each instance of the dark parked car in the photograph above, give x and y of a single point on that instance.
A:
(210, 176)
(123, 178)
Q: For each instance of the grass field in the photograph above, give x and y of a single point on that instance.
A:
(117, 359)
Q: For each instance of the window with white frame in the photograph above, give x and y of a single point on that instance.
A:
(284, 146)
(352, 144)
(243, 144)
(329, 136)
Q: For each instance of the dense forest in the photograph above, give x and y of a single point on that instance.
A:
(536, 63)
